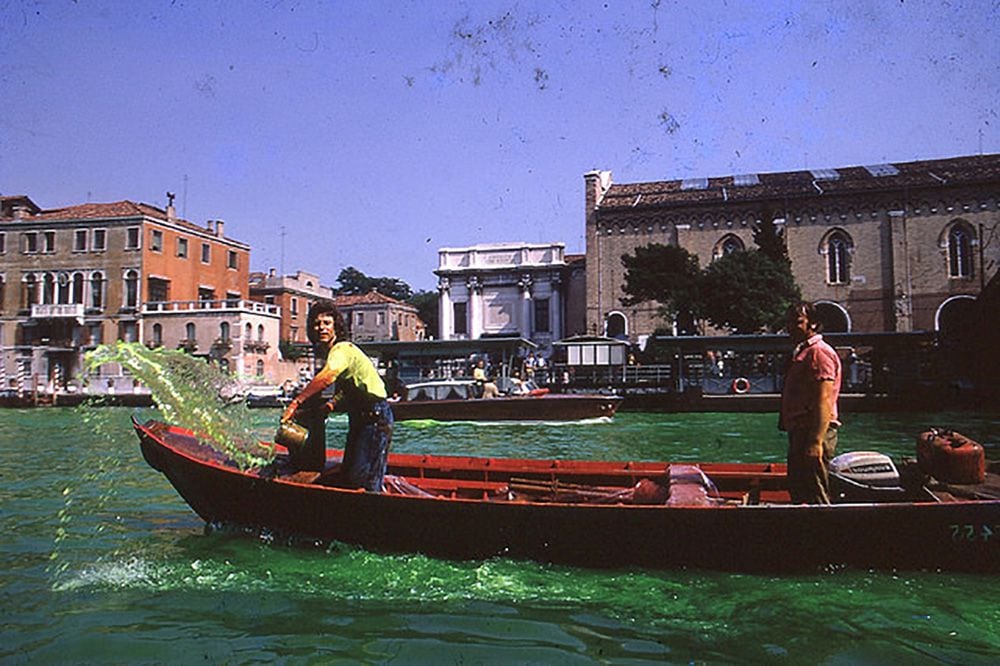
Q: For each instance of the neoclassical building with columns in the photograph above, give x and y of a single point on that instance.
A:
(880, 247)
(515, 289)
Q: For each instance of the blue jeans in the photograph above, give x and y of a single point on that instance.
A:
(369, 437)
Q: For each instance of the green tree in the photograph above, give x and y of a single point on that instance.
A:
(770, 239)
(354, 282)
(747, 292)
(427, 305)
(667, 274)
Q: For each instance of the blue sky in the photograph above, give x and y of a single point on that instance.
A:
(371, 134)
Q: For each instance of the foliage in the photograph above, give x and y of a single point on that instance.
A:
(354, 282)
(291, 351)
(427, 305)
(771, 241)
(667, 274)
(746, 292)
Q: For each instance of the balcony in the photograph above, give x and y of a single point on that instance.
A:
(256, 347)
(217, 306)
(58, 311)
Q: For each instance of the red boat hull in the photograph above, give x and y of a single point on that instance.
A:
(960, 535)
(548, 407)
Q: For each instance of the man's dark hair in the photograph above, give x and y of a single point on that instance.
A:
(809, 310)
(321, 307)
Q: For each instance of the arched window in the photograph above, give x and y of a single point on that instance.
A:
(157, 335)
(189, 332)
(29, 295)
(833, 316)
(48, 289)
(131, 289)
(728, 244)
(77, 288)
(247, 332)
(260, 368)
(616, 326)
(62, 294)
(260, 333)
(837, 246)
(97, 291)
(960, 238)
(224, 331)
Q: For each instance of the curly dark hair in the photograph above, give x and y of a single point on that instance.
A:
(324, 306)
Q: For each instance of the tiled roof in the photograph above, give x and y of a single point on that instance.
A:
(116, 209)
(371, 298)
(950, 172)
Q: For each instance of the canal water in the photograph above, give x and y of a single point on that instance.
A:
(101, 561)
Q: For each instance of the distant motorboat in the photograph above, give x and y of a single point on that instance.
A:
(456, 400)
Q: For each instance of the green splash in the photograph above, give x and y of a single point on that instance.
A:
(190, 393)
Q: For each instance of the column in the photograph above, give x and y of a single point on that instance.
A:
(446, 324)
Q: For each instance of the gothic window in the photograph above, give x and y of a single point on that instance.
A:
(157, 335)
(960, 238)
(189, 331)
(838, 247)
(224, 331)
(727, 245)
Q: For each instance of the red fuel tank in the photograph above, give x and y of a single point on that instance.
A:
(951, 457)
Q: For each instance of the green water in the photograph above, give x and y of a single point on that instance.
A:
(102, 562)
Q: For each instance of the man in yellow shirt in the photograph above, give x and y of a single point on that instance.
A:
(359, 391)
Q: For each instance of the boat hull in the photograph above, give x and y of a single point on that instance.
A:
(953, 536)
(550, 407)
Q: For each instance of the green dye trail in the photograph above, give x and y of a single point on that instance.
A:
(193, 394)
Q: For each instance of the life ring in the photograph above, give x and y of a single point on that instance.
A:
(741, 385)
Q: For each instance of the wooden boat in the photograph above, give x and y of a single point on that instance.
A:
(455, 400)
(600, 514)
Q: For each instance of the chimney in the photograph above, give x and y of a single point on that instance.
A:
(219, 226)
(210, 225)
(272, 272)
(171, 210)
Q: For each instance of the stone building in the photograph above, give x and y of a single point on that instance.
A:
(510, 289)
(375, 317)
(883, 247)
(294, 295)
(75, 277)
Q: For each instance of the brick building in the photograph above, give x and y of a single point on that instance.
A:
(78, 276)
(886, 247)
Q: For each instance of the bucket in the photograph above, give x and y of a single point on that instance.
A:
(291, 435)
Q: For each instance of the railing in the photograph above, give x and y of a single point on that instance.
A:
(57, 311)
(228, 305)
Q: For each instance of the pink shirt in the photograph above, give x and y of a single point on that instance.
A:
(812, 361)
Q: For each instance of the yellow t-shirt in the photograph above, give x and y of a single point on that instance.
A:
(354, 371)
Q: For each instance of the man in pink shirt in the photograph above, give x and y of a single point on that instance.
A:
(809, 407)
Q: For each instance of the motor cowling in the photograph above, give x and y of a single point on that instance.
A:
(864, 476)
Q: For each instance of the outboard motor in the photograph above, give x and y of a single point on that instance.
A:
(864, 476)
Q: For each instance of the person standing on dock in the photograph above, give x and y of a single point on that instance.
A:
(359, 391)
(809, 406)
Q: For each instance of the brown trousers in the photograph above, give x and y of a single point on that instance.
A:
(809, 478)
